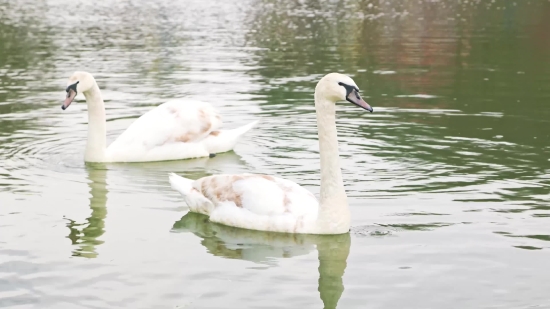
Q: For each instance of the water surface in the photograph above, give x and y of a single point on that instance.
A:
(448, 180)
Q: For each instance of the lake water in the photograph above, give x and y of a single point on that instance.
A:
(448, 180)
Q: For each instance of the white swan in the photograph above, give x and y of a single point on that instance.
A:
(267, 203)
(177, 129)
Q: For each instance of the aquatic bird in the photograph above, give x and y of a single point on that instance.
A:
(268, 203)
(177, 129)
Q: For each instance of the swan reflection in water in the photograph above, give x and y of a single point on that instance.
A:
(264, 247)
(86, 236)
(143, 174)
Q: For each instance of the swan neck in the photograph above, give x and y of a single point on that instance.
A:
(333, 212)
(97, 132)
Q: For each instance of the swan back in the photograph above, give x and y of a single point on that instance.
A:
(175, 129)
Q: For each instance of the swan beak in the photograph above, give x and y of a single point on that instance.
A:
(356, 99)
(71, 94)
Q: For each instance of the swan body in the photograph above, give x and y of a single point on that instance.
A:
(177, 129)
(267, 203)
(251, 201)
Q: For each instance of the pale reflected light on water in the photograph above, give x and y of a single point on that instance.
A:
(448, 180)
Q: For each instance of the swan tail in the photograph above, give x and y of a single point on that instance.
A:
(180, 184)
(192, 197)
(225, 140)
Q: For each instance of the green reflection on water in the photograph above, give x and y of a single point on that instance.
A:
(460, 91)
(263, 247)
(84, 236)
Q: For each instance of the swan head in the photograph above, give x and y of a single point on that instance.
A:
(337, 87)
(79, 82)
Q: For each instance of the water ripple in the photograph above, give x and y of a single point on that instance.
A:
(448, 179)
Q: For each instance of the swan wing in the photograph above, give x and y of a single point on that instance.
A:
(167, 130)
(250, 201)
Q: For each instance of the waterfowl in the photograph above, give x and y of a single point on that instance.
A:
(177, 129)
(268, 203)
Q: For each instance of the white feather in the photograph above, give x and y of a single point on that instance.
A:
(177, 129)
(267, 203)
(250, 201)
